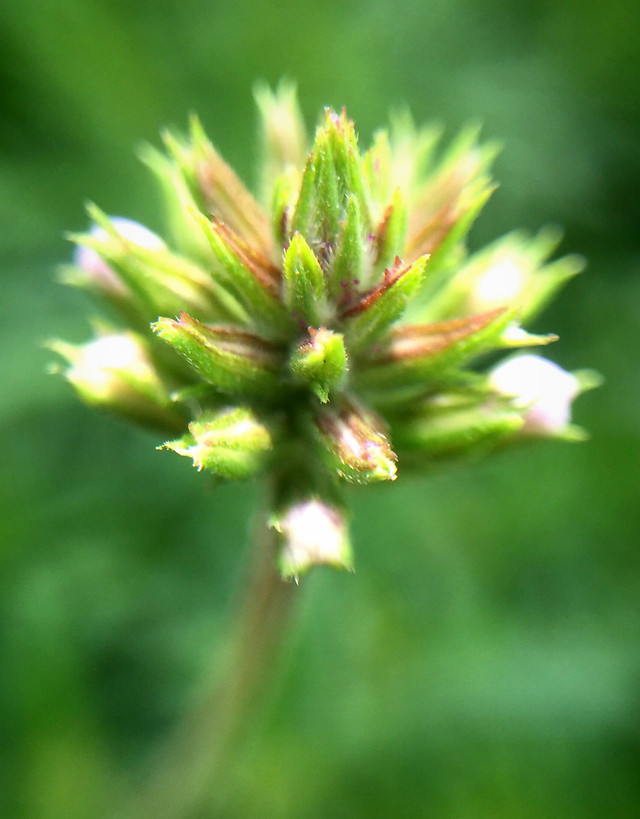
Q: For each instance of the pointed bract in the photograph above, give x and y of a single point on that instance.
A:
(346, 272)
(445, 428)
(390, 235)
(372, 314)
(411, 354)
(157, 280)
(216, 188)
(251, 278)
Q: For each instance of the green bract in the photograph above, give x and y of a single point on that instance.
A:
(331, 333)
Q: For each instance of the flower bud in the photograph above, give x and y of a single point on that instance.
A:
(103, 275)
(356, 446)
(541, 389)
(320, 361)
(332, 174)
(233, 360)
(448, 425)
(232, 444)
(154, 280)
(510, 272)
(312, 534)
(115, 372)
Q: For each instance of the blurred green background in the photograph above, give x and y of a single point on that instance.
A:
(484, 660)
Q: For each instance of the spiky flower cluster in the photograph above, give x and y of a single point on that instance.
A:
(329, 335)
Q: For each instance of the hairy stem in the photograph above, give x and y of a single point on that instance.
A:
(195, 767)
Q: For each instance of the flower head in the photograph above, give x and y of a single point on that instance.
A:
(330, 333)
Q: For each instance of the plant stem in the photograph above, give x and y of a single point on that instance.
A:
(197, 762)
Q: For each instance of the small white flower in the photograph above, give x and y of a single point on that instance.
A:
(541, 388)
(313, 534)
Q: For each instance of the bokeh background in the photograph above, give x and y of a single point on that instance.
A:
(484, 660)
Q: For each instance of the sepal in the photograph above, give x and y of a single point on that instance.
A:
(410, 354)
(449, 425)
(374, 312)
(285, 190)
(346, 270)
(377, 169)
(412, 152)
(390, 235)
(450, 199)
(179, 205)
